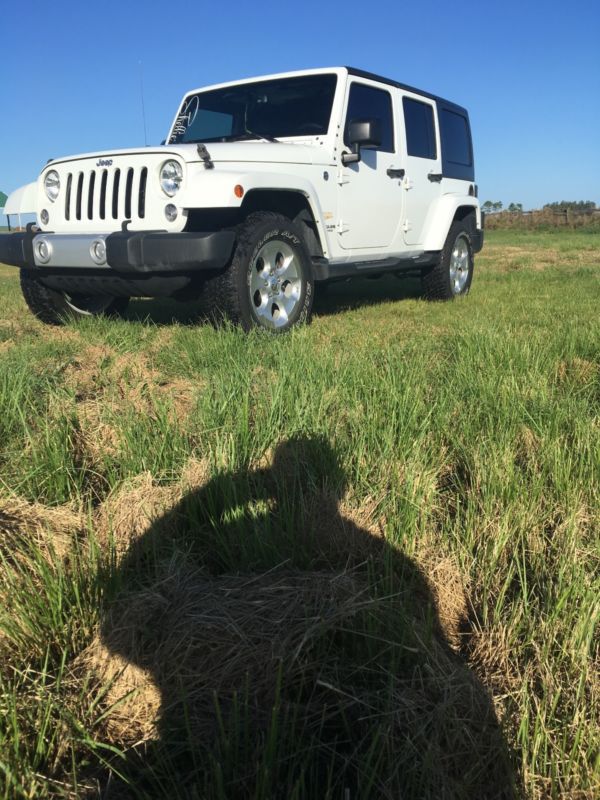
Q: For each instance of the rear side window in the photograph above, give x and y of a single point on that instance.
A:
(420, 128)
(366, 102)
(456, 139)
(455, 136)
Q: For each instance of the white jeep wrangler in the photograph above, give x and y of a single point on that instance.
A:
(264, 189)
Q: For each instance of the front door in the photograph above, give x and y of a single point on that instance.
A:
(370, 199)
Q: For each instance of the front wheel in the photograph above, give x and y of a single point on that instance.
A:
(269, 283)
(55, 307)
(452, 276)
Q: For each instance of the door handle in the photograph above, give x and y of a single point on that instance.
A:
(395, 173)
(435, 177)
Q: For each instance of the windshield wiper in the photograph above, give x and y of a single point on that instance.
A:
(252, 135)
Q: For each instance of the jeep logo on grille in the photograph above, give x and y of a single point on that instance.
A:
(104, 162)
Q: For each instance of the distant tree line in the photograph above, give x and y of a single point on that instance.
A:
(563, 205)
(489, 206)
(571, 205)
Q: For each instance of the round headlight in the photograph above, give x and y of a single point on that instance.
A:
(52, 185)
(171, 177)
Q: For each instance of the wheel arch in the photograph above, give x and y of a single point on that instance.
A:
(449, 209)
(295, 205)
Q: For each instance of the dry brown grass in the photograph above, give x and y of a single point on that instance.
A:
(130, 510)
(126, 380)
(52, 530)
(578, 371)
(513, 258)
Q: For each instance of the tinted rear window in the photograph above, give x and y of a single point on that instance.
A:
(420, 129)
(456, 138)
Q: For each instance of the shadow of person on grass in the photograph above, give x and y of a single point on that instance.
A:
(296, 653)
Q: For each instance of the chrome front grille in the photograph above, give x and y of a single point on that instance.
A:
(106, 194)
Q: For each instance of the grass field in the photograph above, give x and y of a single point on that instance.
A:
(358, 561)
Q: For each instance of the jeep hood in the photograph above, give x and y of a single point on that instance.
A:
(264, 152)
(223, 152)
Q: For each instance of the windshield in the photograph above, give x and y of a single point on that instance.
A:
(264, 110)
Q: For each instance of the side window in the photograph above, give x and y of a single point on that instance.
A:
(366, 102)
(456, 138)
(420, 128)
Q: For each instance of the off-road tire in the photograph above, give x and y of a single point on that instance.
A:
(228, 295)
(56, 308)
(437, 282)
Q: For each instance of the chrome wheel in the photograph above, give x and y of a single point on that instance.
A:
(275, 284)
(460, 264)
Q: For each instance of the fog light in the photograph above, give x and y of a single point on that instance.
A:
(43, 250)
(98, 251)
(171, 212)
(45, 217)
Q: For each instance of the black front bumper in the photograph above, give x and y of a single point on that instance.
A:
(141, 252)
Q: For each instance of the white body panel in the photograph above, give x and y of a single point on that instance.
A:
(440, 215)
(421, 193)
(357, 229)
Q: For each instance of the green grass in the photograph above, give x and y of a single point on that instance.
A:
(403, 600)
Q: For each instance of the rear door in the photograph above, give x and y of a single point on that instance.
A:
(423, 161)
(369, 199)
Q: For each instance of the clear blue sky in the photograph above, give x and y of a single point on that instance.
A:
(529, 73)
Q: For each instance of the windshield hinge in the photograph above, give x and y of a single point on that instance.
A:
(205, 156)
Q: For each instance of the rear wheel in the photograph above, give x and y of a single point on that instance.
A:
(452, 276)
(55, 308)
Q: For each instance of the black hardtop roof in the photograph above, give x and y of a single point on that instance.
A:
(361, 73)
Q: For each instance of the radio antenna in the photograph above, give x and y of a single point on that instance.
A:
(142, 98)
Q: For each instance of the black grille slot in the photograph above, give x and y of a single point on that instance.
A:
(142, 193)
(68, 197)
(79, 193)
(115, 197)
(128, 187)
(91, 196)
(103, 193)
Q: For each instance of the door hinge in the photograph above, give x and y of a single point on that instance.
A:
(343, 177)
(407, 183)
(341, 226)
(406, 227)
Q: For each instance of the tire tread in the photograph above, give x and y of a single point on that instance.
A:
(220, 298)
(436, 284)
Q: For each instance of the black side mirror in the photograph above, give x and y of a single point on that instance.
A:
(362, 133)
